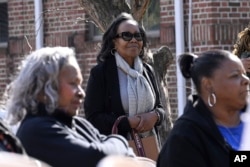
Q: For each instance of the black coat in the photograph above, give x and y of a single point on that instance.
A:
(63, 141)
(103, 105)
(195, 140)
(8, 141)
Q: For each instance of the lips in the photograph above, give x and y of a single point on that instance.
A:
(133, 46)
(245, 93)
(77, 103)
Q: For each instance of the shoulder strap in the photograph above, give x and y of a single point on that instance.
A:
(115, 126)
(135, 136)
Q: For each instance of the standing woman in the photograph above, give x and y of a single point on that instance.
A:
(210, 127)
(122, 83)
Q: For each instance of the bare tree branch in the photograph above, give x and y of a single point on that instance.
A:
(104, 11)
(138, 9)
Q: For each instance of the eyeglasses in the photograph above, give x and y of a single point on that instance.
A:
(127, 36)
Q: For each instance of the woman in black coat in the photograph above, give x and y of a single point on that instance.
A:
(8, 141)
(122, 83)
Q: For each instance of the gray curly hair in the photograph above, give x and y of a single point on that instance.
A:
(38, 73)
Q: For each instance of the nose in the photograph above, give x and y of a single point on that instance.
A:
(246, 79)
(80, 93)
(133, 39)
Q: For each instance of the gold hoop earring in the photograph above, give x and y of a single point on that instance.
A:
(113, 51)
(213, 99)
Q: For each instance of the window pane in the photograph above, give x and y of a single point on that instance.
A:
(97, 31)
(151, 20)
(3, 22)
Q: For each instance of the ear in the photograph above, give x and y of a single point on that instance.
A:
(114, 42)
(207, 85)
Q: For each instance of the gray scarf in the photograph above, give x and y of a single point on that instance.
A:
(140, 95)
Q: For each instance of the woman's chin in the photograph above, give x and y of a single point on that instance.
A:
(73, 112)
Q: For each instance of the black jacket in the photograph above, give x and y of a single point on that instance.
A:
(195, 140)
(8, 141)
(63, 141)
(102, 104)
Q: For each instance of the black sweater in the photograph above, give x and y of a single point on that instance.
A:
(8, 141)
(63, 141)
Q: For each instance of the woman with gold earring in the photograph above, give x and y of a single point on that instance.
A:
(123, 83)
(211, 126)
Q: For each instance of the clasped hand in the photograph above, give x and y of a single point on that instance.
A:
(143, 122)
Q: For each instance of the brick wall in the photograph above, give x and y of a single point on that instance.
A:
(167, 31)
(64, 25)
(215, 24)
(2, 68)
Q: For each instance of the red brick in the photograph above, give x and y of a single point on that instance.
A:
(209, 31)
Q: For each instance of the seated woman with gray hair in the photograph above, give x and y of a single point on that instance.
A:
(45, 97)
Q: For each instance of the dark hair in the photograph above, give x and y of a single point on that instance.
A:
(110, 34)
(196, 67)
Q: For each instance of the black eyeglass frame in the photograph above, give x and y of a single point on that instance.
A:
(128, 36)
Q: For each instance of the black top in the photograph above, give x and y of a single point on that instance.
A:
(8, 141)
(63, 141)
(103, 105)
(195, 140)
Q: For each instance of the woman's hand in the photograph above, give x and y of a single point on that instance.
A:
(134, 121)
(147, 121)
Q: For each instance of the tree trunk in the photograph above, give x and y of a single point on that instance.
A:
(161, 61)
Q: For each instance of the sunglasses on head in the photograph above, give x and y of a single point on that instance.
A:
(127, 36)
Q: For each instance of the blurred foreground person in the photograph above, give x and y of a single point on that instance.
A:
(245, 117)
(121, 161)
(210, 126)
(17, 160)
(46, 97)
(8, 141)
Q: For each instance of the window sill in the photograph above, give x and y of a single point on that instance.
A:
(3, 44)
(153, 34)
(97, 38)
